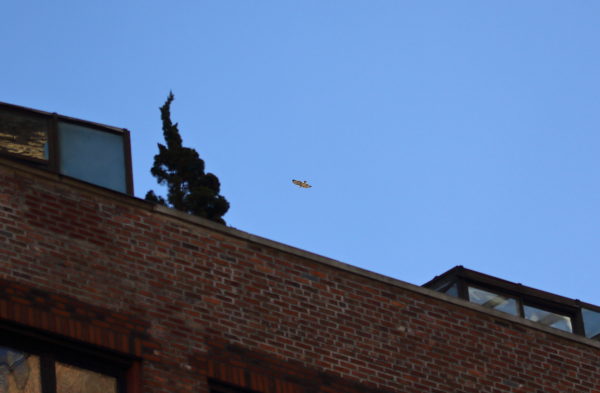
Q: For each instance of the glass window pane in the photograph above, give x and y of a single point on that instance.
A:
(493, 300)
(452, 290)
(591, 323)
(92, 155)
(548, 318)
(25, 135)
(19, 372)
(71, 379)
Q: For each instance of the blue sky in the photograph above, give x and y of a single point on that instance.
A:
(434, 133)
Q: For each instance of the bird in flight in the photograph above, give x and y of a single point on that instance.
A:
(302, 184)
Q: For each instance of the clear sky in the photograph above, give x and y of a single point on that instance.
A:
(434, 133)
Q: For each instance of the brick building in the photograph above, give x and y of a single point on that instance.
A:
(103, 292)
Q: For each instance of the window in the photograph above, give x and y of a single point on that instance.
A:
(452, 290)
(74, 379)
(591, 323)
(493, 300)
(23, 135)
(548, 318)
(449, 288)
(19, 371)
(87, 151)
(92, 155)
(218, 387)
(544, 308)
(32, 364)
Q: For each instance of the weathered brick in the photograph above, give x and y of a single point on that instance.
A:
(108, 270)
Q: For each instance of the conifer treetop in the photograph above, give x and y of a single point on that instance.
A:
(182, 170)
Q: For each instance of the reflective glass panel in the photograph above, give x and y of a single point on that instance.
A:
(548, 318)
(493, 300)
(24, 135)
(452, 290)
(591, 323)
(71, 379)
(19, 372)
(92, 155)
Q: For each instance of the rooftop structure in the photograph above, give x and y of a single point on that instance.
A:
(569, 315)
(88, 151)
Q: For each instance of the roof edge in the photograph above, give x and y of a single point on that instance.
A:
(62, 117)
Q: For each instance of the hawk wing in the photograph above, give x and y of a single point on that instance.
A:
(302, 184)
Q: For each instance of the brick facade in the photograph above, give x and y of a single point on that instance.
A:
(191, 301)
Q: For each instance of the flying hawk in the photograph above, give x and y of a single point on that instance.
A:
(302, 184)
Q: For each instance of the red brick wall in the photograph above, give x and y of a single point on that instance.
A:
(195, 303)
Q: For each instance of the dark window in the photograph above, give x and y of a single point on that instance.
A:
(218, 387)
(23, 135)
(591, 322)
(29, 363)
(452, 290)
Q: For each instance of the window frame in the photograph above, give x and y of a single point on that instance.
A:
(52, 348)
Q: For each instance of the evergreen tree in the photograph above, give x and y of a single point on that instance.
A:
(182, 170)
